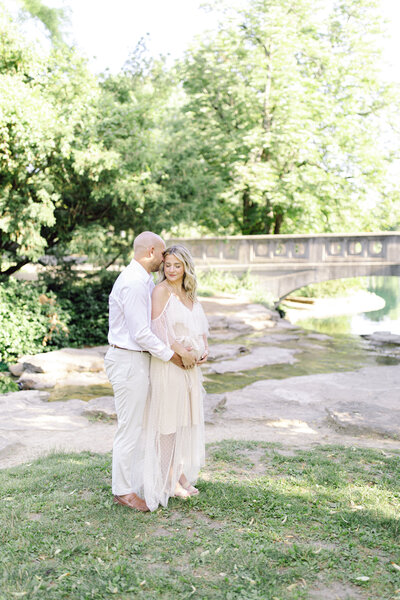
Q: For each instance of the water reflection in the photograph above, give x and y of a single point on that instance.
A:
(385, 319)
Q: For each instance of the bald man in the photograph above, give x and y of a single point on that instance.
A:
(128, 359)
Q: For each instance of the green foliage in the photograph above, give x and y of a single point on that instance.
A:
(7, 385)
(333, 289)
(213, 282)
(52, 18)
(285, 104)
(85, 301)
(277, 122)
(318, 519)
(43, 316)
(31, 320)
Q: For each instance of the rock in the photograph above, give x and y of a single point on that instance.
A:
(62, 361)
(360, 402)
(217, 322)
(363, 418)
(223, 351)
(257, 312)
(258, 357)
(30, 427)
(277, 338)
(213, 405)
(284, 324)
(70, 366)
(383, 337)
(101, 407)
(38, 381)
(319, 336)
(225, 334)
(8, 446)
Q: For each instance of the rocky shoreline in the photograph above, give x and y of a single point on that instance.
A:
(360, 407)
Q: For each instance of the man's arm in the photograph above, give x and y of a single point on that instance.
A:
(135, 301)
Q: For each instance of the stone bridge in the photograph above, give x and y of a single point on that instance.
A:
(284, 263)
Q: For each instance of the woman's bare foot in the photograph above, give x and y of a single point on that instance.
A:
(180, 492)
(192, 491)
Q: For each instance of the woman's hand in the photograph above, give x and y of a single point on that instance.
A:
(203, 357)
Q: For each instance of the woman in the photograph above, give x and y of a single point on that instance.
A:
(173, 428)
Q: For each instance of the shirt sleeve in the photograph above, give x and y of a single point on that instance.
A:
(135, 300)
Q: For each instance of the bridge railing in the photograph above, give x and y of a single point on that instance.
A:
(285, 249)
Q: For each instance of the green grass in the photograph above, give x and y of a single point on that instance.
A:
(266, 525)
(333, 288)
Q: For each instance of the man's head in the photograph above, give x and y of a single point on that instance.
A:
(149, 248)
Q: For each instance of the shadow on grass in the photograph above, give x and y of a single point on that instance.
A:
(330, 515)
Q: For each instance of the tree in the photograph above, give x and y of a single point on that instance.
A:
(288, 106)
(56, 176)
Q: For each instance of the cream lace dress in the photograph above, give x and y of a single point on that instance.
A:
(172, 439)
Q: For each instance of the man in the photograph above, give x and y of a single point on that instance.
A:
(127, 360)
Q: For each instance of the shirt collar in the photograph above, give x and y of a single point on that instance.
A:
(141, 271)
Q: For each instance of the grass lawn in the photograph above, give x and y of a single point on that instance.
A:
(268, 524)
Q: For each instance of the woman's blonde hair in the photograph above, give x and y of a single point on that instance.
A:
(189, 281)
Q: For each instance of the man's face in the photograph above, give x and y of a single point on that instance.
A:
(157, 256)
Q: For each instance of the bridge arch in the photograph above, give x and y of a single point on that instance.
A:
(285, 263)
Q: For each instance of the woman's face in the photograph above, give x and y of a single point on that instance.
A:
(173, 268)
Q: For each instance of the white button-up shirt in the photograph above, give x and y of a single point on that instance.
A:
(130, 313)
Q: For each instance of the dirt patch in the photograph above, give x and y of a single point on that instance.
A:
(336, 591)
(35, 516)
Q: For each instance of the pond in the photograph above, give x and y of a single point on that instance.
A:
(359, 321)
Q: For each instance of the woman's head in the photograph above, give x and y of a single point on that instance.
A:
(178, 265)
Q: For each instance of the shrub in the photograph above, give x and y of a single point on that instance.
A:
(31, 320)
(86, 303)
(7, 385)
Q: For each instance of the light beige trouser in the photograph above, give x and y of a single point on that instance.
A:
(128, 372)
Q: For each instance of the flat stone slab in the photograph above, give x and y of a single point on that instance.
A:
(66, 367)
(43, 381)
(359, 402)
(224, 351)
(65, 360)
(258, 357)
(363, 418)
(100, 407)
(31, 427)
(277, 338)
(214, 404)
(383, 337)
(319, 336)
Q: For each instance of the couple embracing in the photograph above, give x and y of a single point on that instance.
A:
(158, 339)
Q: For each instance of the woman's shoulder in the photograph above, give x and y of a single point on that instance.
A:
(161, 291)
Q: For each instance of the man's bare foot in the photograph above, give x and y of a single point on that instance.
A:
(132, 501)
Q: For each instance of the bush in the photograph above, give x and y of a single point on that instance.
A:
(86, 303)
(213, 282)
(31, 320)
(332, 289)
(7, 385)
(53, 313)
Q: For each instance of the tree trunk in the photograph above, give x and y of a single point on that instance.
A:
(14, 268)
(278, 222)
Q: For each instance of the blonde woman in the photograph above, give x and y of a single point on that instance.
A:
(173, 428)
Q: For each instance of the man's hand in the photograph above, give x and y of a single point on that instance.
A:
(188, 359)
(176, 359)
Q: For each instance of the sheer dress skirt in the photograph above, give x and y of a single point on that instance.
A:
(172, 441)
